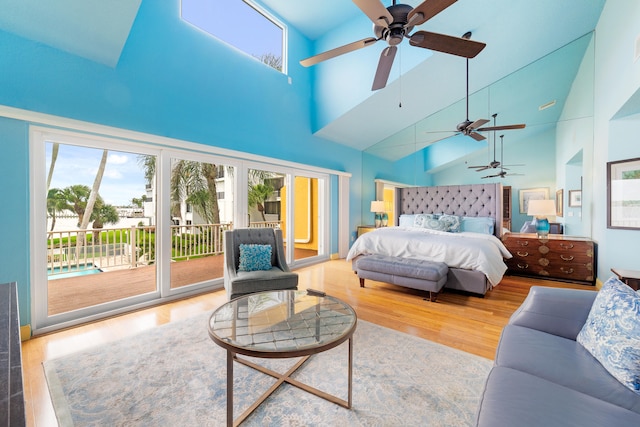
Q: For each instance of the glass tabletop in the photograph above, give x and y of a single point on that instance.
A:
(282, 324)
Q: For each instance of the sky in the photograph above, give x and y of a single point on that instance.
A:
(123, 178)
(229, 20)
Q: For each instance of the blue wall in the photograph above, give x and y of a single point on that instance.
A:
(171, 80)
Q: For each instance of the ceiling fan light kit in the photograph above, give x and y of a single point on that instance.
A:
(394, 23)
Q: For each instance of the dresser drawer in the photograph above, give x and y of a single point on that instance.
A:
(553, 258)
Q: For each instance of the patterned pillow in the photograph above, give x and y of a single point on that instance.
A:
(419, 220)
(255, 257)
(452, 221)
(435, 224)
(612, 332)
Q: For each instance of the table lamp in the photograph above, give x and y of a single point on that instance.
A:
(377, 207)
(540, 209)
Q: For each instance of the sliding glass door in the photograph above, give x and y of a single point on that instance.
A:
(95, 236)
(118, 224)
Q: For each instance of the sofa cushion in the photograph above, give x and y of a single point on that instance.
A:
(612, 332)
(255, 257)
(562, 361)
(514, 398)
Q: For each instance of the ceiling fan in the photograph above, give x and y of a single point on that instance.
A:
(470, 128)
(503, 170)
(494, 163)
(393, 24)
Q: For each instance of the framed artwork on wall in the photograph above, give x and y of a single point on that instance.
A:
(575, 198)
(531, 194)
(623, 194)
(559, 202)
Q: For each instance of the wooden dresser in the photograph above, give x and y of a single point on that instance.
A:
(557, 257)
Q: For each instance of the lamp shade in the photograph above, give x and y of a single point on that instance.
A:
(541, 208)
(377, 206)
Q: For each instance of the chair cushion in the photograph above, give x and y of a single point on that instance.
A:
(612, 332)
(255, 257)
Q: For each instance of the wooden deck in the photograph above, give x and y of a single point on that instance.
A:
(68, 294)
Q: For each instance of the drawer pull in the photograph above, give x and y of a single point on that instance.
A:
(522, 242)
(567, 258)
(565, 246)
(523, 266)
(522, 254)
(566, 270)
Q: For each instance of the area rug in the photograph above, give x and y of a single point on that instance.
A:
(175, 375)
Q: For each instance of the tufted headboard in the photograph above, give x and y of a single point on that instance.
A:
(463, 200)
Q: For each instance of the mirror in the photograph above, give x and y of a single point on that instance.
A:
(553, 96)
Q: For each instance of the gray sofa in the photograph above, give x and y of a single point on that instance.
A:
(543, 377)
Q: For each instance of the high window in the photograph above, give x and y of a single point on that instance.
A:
(242, 24)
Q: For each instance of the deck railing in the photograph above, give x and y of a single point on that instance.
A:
(119, 248)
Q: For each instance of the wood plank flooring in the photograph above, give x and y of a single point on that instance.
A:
(465, 322)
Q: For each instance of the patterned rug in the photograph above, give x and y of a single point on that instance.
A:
(174, 375)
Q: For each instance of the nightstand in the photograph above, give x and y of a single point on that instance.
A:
(630, 277)
(365, 229)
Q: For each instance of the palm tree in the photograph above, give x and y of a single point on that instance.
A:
(258, 194)
(56, 203)
(77, 196)
(54, 157)
(195, 183)
(103, 214)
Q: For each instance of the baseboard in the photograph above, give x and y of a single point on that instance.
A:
(598, 284)
(334, 256)
(25, 332)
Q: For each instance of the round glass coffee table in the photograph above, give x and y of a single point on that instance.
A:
(282, 324)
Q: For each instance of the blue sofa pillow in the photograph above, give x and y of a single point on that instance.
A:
(612, 332)
(254, 257)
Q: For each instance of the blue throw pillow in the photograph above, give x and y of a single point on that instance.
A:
(255, 257)
(612, 332)
(452, 221)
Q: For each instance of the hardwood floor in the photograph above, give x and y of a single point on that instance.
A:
(465, 322)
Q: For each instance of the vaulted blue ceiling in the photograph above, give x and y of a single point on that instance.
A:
(426, 90)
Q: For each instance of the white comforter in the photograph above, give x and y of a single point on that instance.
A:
(466, 250)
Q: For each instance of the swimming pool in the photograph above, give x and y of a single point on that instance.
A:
(72, 271)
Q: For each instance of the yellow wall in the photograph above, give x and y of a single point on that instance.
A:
(305, 212)
(389, 205)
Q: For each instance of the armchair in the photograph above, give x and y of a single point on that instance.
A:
(238, 282)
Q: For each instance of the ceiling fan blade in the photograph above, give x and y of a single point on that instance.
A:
(490, 176)
(506, 127)
(313, 60)
(447, 44)
(477, 136)
(384, 67)
(427, 10)
(376, 11)
(479, 168)
(475, 125)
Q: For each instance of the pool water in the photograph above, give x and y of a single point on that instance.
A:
(73, 271)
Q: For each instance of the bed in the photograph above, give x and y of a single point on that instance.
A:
(474, 252)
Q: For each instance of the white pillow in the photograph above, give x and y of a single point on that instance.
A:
(406, 220)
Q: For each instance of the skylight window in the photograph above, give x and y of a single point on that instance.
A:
(241, 24)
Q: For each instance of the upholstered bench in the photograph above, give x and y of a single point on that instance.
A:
(410, 272)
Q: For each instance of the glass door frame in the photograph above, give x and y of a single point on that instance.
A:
(41, 321)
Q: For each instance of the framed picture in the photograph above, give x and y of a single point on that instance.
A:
(575, 198)
(559, 202)
(623, 194)
(531, 194)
